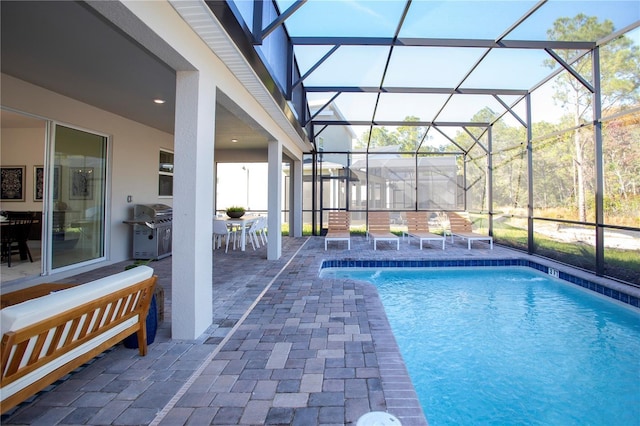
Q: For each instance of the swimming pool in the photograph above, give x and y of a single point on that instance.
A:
(510, 346)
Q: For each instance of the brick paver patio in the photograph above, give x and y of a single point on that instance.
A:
(285, 347)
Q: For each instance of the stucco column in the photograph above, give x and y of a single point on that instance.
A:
(274, 205)
(295, 206)
(191, 284)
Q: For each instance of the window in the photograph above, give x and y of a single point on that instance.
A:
(165, 172)
(77, 232)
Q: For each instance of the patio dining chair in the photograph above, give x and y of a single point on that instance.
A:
(14, 236)
(252, 233)
(223, 230)
(261, 230)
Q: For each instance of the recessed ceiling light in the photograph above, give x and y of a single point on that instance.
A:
(159, 101)
(234, 140)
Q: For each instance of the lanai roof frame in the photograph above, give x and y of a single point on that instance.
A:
(509, 30)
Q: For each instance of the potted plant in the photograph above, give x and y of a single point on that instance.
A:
(131, 342)
(235, 211)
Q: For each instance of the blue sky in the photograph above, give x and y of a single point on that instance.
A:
(431, 66)
(453, 18)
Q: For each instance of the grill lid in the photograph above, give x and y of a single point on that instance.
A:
(151, 215)
(152, 212)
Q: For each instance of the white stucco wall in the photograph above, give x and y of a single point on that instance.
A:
(192, 133)
(134, 150)
(23, 147)
(163, 19)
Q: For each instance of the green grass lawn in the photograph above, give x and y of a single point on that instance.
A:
(619, 264)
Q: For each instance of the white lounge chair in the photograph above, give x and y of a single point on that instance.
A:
(338, 228)
(379, 228)
(461, 227)
(418, 227)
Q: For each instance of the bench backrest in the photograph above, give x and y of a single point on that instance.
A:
(23, 314)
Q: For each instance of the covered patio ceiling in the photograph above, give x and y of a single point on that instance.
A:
(70, 48)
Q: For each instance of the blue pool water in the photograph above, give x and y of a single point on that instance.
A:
(510, 346)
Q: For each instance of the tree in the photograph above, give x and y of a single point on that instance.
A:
(378, 136)
(406, 137)
(620, 80)
(622, 170)
(410, 136)
(475, 158)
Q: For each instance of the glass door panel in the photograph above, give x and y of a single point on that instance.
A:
(22, 148)
(78, 225)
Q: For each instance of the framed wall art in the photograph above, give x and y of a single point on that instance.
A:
(12, 183)
(81, 183)
(38, 183)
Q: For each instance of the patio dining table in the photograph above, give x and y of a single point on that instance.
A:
(242, 223)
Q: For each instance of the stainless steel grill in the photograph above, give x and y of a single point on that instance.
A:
(152, 225)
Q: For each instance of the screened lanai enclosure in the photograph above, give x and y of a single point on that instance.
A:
(525, 115)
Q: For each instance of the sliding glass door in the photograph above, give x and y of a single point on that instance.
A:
(77, 189)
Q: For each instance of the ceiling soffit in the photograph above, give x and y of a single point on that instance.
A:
(69, 48)
(204, 23)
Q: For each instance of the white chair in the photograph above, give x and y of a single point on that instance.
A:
(418, 228)
(379, 228)
(262, 229)
(339, 228)
(462, 227)
(220, 231)
(252, 233)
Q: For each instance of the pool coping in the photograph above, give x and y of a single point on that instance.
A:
(620, 292)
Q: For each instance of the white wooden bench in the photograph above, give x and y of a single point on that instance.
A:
(46, 338)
